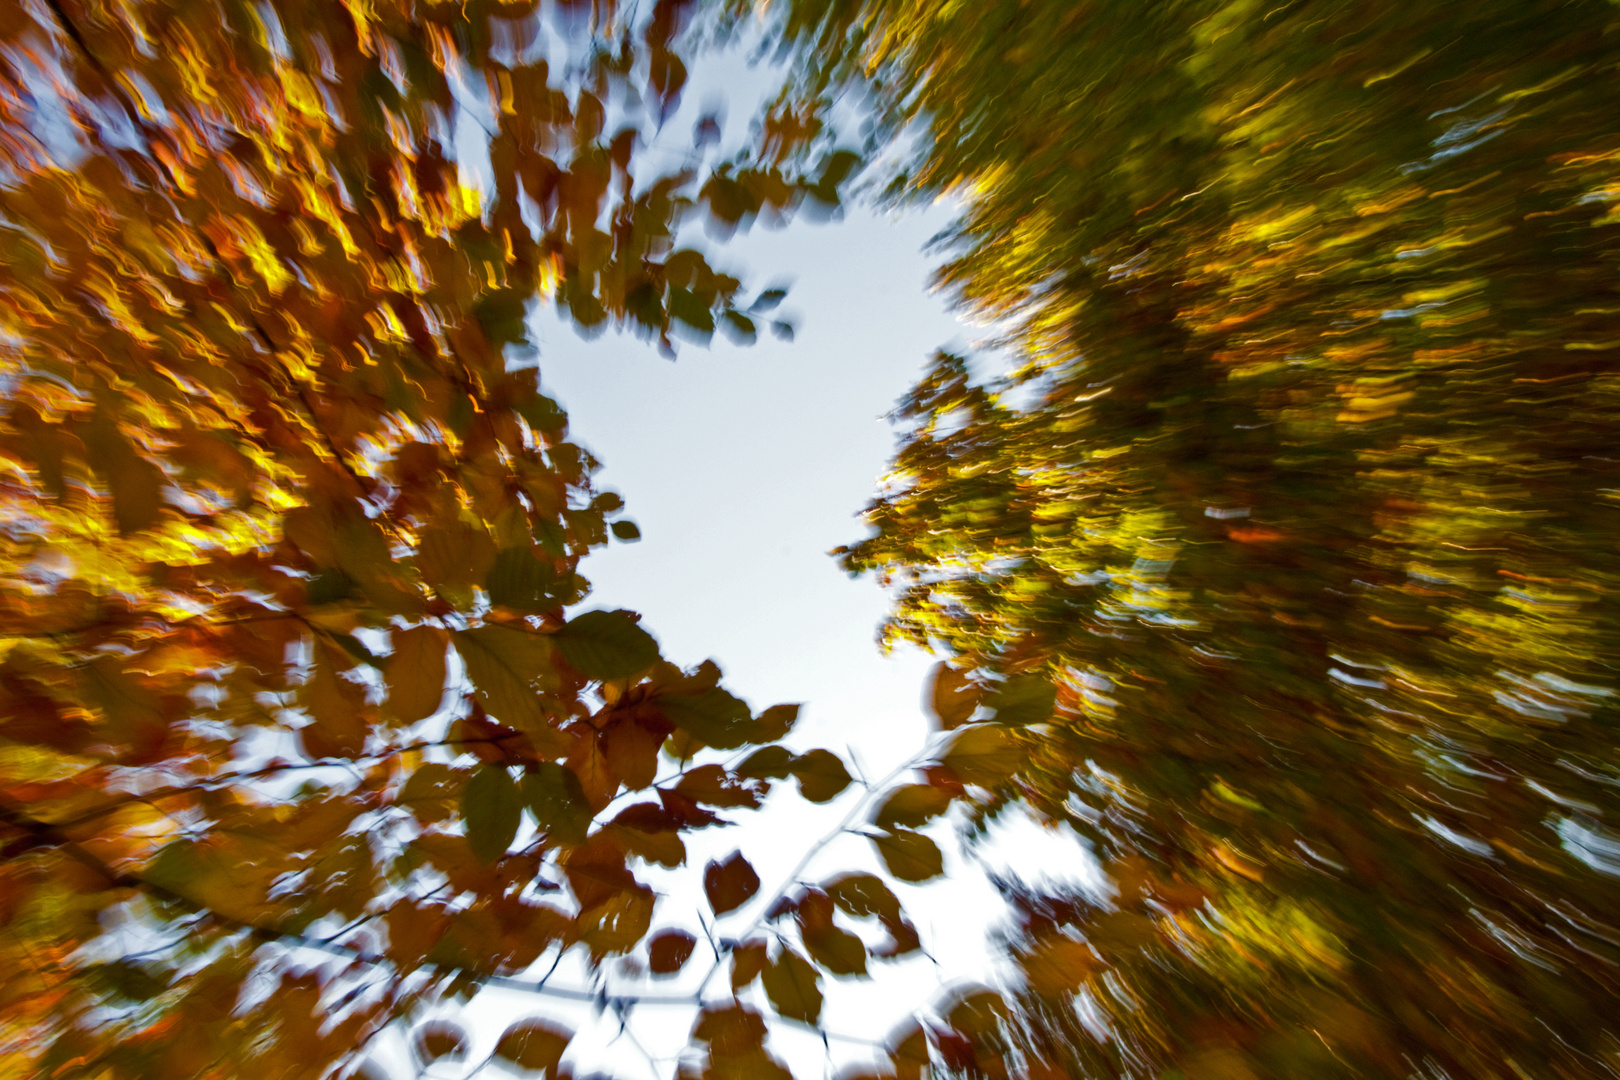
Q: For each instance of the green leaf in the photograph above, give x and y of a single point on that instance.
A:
(820, 774)
(520, 581)
(793, 987)
(491, 810)
(685, 306)
(774, 723)
(626, 531)
(910, 856)
(555, 797)
(433, 792)
(606, 645)
(740, 327)
(508, 668)
(712, 716)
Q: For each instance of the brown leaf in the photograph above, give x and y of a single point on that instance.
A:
(909, 856)
(440, 1039)
(596, 776)
(668, 951)
(793, 987)
(631, 750)
(729, 884)
(747, 961)
(534, 1046)
(337, 709)
(953, 698)
(595, 871)
(415, 673)
(820, 774)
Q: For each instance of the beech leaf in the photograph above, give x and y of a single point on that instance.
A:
(606, 645)
(555, 797)
(440, 1039)
(953, 698)
(668, 951)
(491, 810)
(507, 667)
(415, 673)
(911, 806)
(820, 774)
(983, 754)
(534, 1046)
(793, 987)
(910, 856)
(729, 884)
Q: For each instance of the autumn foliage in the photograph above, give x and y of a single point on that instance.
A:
(292, 538)
(1281, 569)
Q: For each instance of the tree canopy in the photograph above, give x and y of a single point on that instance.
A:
(1281, 569)
(291, 536)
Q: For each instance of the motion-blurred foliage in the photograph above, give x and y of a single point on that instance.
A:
(1281, 569)
(1304, 500)
(297, 736)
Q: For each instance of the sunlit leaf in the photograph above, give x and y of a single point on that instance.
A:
(606, 644)
(952, 696)
(416, 672)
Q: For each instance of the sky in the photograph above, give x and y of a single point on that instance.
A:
(743, 466)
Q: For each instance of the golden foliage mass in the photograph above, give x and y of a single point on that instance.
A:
(290, 533)
(1301, 501)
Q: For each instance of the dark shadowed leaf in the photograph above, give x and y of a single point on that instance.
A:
(553, 794)
(491, 810)
(1022, 699)
(668, 951)
(729, 883)
(820, 774)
